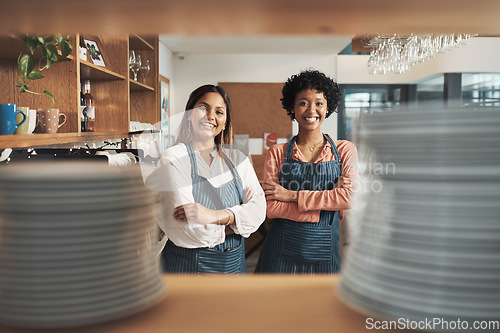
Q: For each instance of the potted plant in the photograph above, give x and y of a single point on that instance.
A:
(51, 48)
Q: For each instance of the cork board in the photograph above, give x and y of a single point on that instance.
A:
(256, 109)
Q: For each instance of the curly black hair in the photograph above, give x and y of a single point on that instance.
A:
(311, 79)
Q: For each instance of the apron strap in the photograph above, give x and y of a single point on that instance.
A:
(232, 168)
(289, 149)
(334, 148)
(291, 143)
(192, 159)
(234, 172)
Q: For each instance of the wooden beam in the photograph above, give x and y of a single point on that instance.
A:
(256, 17)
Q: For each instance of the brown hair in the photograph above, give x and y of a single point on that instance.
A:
(184, 133)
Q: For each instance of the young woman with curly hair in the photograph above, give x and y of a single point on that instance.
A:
(307, 183)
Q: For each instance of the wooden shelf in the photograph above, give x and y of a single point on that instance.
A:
(139, 43)
(42, 139)
(11, 46)
(118, 99)
(89, 136)
(138, 86)
(276, 303)
(89, 71)
(144, 132)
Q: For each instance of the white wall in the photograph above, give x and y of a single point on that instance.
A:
(198, 69)
(166, 62)
(481, 55)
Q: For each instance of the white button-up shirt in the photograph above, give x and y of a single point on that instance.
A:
(175, 183)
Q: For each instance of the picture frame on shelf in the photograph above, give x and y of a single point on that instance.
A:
(83, 54)
(165, 110)
(94, 53)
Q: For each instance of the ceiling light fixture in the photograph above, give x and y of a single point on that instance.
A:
(397, 53)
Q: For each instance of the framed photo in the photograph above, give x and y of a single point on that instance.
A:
(94, 53)
(165, 111)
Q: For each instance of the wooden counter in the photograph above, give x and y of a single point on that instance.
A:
(251, 303)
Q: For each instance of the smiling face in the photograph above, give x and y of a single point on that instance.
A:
(208, 118)
(310, 109)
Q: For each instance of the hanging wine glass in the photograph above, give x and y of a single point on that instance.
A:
(144, 70)
(136, 66)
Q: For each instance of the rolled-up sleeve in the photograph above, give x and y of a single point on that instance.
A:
(280, 209)
(249, 215)
(175, 184)
(337, 198)
(311, 203)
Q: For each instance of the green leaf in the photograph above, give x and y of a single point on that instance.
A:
(48, 52)
(44, 52)
(66, 48)
(52, 51)
(50, 95)
(50, 47)
(32, 44)
(35, 75)
(23, 87)
(26, 65)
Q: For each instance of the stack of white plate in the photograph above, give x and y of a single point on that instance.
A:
(426, 218)
(77, 244)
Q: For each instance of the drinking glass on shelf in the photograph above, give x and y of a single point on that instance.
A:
(144, 71)
(134, 63)
(131, 59)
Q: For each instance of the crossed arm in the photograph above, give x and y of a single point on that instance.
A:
(243, 219)
(305, 206)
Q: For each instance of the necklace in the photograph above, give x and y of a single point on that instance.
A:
(311, 148)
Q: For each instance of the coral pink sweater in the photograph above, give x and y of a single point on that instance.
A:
(310, 203)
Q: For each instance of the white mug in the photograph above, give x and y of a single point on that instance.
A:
(33, 121)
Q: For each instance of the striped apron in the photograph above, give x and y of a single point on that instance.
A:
(304, 247)
(227, 257)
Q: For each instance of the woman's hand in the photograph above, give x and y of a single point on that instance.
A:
(195, 213)
(275, 191)
(344, 182)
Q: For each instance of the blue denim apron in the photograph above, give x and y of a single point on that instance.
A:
(227, 257)
(304, 247)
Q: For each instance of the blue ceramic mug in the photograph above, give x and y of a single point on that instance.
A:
(8, 123)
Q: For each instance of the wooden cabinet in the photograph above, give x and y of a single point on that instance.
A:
(118, 98)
